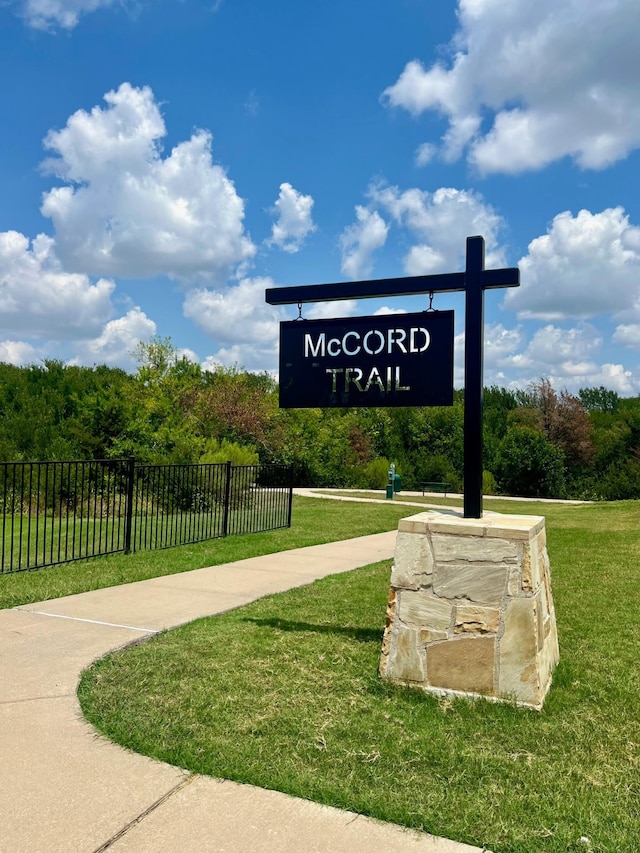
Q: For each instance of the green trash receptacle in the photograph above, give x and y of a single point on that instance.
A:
(397, 483)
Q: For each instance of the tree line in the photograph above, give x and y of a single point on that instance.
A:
(538, 442)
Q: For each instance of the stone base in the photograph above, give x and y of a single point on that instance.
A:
(470, 609)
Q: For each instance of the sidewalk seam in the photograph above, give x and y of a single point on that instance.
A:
(136, 820)
(24, 609)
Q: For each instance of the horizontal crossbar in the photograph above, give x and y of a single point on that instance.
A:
(405, 286)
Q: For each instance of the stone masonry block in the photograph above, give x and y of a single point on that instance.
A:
(471, 619)
(418, 523)
(531, 566)
(482, 584)
(514, 584)
(519, 676)
(464, 664)
(406, 660)
(513, 526)
(431, 635)
(423, 609)
(474, 549)
(413, 562)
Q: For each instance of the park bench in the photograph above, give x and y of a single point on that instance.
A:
(436, 487)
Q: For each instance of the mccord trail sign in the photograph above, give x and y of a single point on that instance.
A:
(396, 360)
(393, 360)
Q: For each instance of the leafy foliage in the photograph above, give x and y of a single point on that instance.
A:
(170, 410)
(528, 464)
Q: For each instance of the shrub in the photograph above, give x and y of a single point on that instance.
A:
(228, 451)
(528, 464)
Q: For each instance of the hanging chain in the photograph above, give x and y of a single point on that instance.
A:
(431, 308)
(299, 317)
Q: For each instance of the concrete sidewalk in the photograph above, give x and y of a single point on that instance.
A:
(65, 788)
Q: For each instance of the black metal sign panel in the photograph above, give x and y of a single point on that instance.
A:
(391, 360)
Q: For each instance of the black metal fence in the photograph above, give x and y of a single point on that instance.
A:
(58, 512)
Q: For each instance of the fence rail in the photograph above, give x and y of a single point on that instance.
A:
(58, 512)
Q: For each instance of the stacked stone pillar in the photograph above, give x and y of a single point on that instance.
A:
(470, 608)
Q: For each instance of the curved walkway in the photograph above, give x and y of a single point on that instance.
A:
(67, 789)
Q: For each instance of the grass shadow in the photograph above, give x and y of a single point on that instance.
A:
(360, 635)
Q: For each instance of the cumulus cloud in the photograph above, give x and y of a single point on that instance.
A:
(441, 222)
(18, 352)
(501, 345)
(48, 14)
(615, 377)
(251, 357)
(565, 349)
(39, 299)
(328, 310)
(585, 265)
(385, 310)
(530, 83)
(628, 334)
(568, 357)
(359, 241)
(126, 210)
(552, 351)
(118, 339)
(294, 221)
(238, 315)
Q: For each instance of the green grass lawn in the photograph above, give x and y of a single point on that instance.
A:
(284, 694)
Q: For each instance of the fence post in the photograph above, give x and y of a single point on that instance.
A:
(290, 509)
(227, 498)
(128, 522)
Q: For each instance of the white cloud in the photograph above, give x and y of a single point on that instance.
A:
(238, 315)
(567, 357)
(118, 339)
(557, 79)
(500, 345)
(189, 354)
(18, 353)
(254, 358)
(628, 335)
(294, 221)
(360, 240)
(554, 347)
(441, 221)
(45, 14)
(585, 265)
(615, 377)
(385, 310)
(329, 310)
(127, 211)
(39, 299)
(425, 153)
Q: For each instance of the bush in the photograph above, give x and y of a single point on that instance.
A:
(432, 469)
(217, 452)
(527, 464)
(375, 474)
(489, 486)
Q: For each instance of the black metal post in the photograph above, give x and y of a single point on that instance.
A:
(129, 505)
(290, 496)
(227, 498)
(473, 378)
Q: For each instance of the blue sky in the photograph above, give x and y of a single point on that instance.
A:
(162, 163)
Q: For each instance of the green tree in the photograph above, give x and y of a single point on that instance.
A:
(529, 465)
(599, 399)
